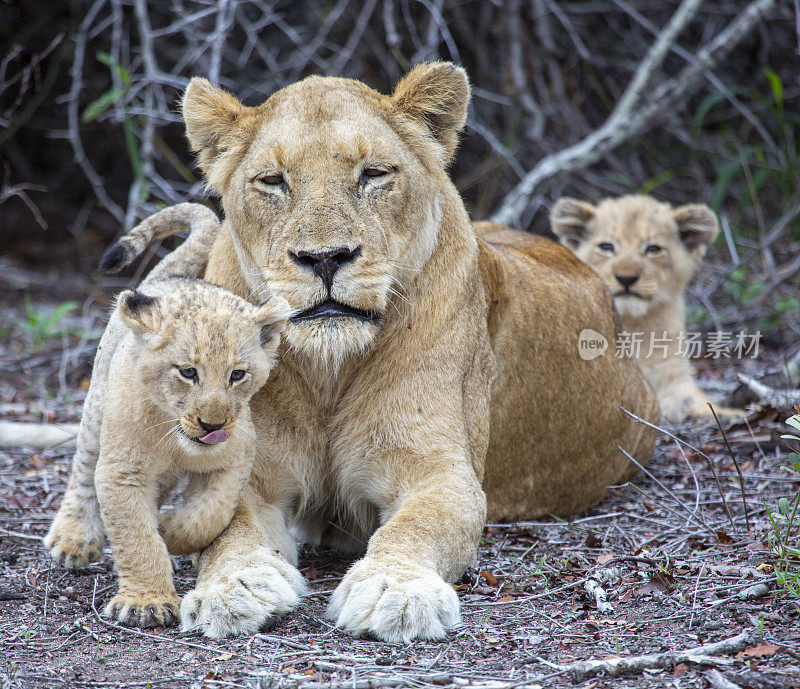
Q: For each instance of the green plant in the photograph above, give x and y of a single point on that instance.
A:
(98, 106)
(41, 325)
(783, 538)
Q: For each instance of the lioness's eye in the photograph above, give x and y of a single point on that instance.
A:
(237, 374)
(188, 372)
(653, 249)
(369, 173)
(270, 181)
(608, 247)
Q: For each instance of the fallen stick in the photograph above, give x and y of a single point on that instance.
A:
(778, 398)
(39, 436)
(614, 667)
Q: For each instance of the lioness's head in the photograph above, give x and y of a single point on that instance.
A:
(330, 193)
(201, 353)
(645, 251)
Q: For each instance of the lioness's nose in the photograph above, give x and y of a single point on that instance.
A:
(326, 263)
(626, 280)
(209, 427)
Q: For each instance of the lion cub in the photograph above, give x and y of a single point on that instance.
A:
(646, 252)
(177, 402)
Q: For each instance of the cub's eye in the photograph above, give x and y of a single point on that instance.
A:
(606, 247)
(653, 249)
(237, 374)
(189, 372)
(270, 181)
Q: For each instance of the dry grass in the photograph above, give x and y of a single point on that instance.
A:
(677, 564)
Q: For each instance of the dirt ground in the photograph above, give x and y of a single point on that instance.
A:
(672, 551)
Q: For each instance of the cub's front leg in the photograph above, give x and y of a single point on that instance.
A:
(208, 508)
(398, 591)
(128, 498)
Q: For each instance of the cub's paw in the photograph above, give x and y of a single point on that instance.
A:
(72, 545)
(144, 611)
(233, 600)
(394, 602)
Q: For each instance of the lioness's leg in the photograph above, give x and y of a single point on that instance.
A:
(246, 577)
(129, 507)
(397, 591)
(209, 505)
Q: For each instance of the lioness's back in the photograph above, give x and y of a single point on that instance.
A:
(556, 421)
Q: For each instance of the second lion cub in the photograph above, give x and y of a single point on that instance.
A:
(177, 402)
(646, 252)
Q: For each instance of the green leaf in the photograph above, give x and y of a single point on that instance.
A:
(224, 656)
(99, 106)
(776, 85)
(709, 102)
(783, 506)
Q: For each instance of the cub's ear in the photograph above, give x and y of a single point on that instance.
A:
(271, 316)
(697, 227)
(437, 94)
(210, 115)
(569, 221)
(139, 311)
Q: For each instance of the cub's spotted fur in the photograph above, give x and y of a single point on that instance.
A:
(181, 360)
(76, 535)
(177, 402)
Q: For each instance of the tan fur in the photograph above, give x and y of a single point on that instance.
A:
(374, 434)
(151, 415)
(613, 238)
(76, 536)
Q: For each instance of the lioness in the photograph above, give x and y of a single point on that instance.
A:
(413, 338)
(646, 252)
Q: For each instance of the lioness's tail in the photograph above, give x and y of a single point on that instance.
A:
(189, 259)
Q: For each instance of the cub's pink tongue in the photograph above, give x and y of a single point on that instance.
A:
(219, 436)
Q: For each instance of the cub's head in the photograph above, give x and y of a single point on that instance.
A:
(645, 251)
(201, 353)
(331, 193)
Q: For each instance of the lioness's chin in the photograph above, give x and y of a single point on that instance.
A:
(630, 306)
(330, 341)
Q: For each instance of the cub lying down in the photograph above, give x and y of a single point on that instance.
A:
(646, 252)
(177, 402)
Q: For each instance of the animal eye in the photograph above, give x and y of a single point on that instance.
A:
(188, 372)
(653, 249)
(372, 172)
(607, 247)
(275, 179)
(237, 374)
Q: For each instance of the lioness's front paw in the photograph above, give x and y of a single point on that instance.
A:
(144, 611)
(243, 600)
(394, 603)
(72, 545)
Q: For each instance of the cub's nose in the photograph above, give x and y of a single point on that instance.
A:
(326, 263)
(626, 280)
(209, 427)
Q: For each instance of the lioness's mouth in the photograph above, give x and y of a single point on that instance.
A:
(629, 293)
(331, 308)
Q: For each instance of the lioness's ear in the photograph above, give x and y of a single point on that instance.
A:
(697, 227)
(210, 115)
(436, 93)
(569, 221)
(139, 311)
(271, 316)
